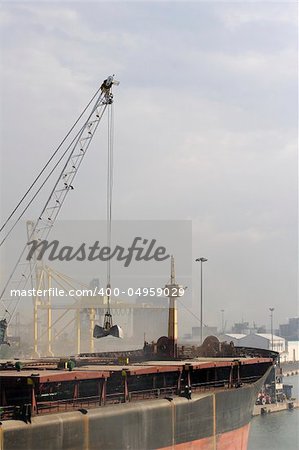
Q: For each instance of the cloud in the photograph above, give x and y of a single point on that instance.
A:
(237, 16)
(205, 121)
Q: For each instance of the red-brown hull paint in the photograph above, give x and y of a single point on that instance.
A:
(231, 440)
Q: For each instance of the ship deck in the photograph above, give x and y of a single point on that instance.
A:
(48, 369)
(49, 385)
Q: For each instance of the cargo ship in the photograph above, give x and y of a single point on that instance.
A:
(130, 401)
(162, 396)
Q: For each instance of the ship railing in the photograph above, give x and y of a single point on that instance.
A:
(117, 397)
(66, 405)
(208, 385)
(251, 379)
(222, 383)
(82, 402)
(152, 393)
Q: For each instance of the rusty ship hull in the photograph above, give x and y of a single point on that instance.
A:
(140, 406)
(208, 421)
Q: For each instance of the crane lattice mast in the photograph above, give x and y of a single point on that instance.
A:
(24, 269)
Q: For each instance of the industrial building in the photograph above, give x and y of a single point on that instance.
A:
(264, 340)
(232, 337)
(290, 330)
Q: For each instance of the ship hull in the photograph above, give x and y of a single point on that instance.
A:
(232, 440)
(217, 420)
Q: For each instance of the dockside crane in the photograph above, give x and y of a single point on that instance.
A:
(74, 154)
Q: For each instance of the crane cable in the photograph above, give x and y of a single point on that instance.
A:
(109, 198)
(20, 257)
(42, 171)
(42, 185)
(40, 188)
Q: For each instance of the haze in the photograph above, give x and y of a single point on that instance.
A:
(205, 130)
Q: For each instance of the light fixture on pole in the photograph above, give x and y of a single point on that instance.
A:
(201, 260)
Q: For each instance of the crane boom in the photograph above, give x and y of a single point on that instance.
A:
(23, 269)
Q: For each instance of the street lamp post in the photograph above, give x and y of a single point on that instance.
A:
(274, 367)
(201, 260)
(271, 310)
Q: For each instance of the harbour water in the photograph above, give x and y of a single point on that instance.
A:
(277, 431)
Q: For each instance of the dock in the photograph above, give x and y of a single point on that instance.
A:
(275, 407)
(291, 373)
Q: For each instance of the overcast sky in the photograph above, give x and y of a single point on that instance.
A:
(205, 130)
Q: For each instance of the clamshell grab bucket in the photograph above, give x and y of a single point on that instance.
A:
(115, 331)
